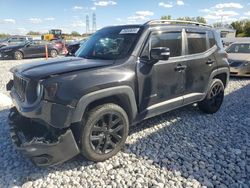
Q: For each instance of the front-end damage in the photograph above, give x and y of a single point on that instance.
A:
(46, 146)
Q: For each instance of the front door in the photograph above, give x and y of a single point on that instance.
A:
(31, 49)
(161, 84)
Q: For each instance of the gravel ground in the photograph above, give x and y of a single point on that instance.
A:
(182, 148)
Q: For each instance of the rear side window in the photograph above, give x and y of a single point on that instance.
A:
(20, 39)
(13, 40)
(211, 39)
(196, 43)
(171, 40)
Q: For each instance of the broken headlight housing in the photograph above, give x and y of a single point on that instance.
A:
(34, 93)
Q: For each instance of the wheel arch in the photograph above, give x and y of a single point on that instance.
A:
(220, 73)
(54, 49)
(120, 95)
(223, 77)
(21, 51)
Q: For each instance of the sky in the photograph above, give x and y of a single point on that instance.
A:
(22, 16)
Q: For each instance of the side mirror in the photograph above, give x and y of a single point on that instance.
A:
(159, 53)
(27, 45)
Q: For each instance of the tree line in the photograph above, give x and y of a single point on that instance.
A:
(186, 18)
(242, 27)
(73, 33)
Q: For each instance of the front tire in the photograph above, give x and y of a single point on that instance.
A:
(18, 55)
(104, 133)
(53, 53)
(214, 98)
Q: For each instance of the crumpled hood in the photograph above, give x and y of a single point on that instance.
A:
(239, 56)
(42, 69)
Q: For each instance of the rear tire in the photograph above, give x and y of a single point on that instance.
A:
(18, 55)
(53, 53)
(214, 98)
(104, 133)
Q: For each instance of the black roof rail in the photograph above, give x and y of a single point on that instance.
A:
(168, 22)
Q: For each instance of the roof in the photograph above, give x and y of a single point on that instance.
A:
(176, 22)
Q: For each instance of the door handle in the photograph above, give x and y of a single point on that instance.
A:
(180, 68)
(210, 62)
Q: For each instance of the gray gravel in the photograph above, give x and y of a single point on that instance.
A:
(182, 148)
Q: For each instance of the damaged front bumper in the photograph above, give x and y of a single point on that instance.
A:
(43, 146)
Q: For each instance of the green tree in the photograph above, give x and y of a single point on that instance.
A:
(186, 18)
(238, 26)
(75, 34)
(193, 19)
(3, 35)
(217, 24)
(201, 19)
(247, 28)
(168, 17)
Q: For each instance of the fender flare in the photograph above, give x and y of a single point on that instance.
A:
(215, 73)
(103, 93)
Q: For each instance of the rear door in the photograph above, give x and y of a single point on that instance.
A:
(41, 48)
(200, 62)
(161, 84)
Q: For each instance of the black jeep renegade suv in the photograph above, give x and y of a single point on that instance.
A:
(121, 76)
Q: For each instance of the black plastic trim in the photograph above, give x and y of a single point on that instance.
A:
(93, 96)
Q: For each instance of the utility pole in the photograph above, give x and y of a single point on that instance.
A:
(87, 24)
(221, 20)
(93, 23)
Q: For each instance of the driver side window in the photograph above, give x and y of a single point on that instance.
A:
(171, 40)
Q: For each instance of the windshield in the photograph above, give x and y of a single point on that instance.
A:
(109, 43)
(239, 48)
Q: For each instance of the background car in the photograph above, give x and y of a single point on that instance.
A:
(35, 48)
(14, 40)
(239, 58)
(60, 45)
(74, 46)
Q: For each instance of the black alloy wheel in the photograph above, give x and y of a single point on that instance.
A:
(216, 95)
(107, 133)
(214, 98)
(104, 132)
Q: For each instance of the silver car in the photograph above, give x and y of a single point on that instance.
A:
(239, 58)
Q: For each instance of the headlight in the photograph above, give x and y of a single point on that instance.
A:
(246, 63)
(34, 93)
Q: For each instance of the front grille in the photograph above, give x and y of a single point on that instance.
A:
(235, 63)
(20, 85)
